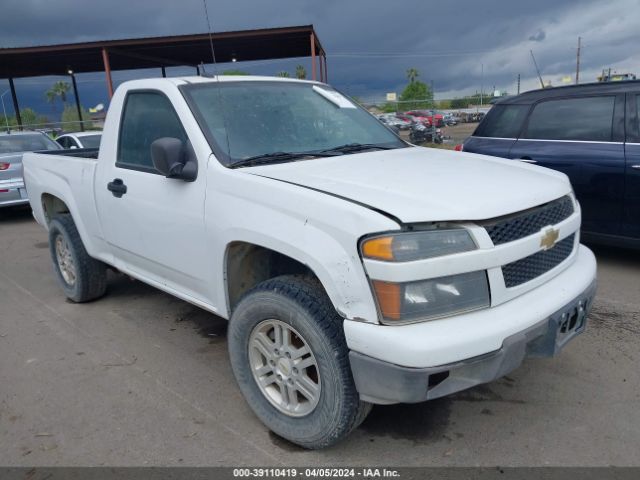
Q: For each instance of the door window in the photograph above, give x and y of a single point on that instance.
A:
(581, 118)
(147, 117)
(503, 121)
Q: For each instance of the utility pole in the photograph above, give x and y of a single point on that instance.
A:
(578, 61)
(518, 84)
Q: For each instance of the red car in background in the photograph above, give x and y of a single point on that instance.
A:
(427, 117)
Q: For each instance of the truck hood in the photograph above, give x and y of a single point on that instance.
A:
(419, 184)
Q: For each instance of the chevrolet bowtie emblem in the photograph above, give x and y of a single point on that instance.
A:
(549, 238)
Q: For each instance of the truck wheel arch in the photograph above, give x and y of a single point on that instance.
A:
(248, 264)
(52, 206)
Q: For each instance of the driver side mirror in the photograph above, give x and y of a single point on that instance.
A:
(174, 159)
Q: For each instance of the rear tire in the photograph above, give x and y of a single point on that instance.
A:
(82, 277)
(298, 308)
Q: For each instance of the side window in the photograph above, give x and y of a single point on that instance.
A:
(147, 116)
(503, 121)
(64, 141)
(582, 118)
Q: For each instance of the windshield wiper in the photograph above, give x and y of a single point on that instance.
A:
(356, 147)
(277, 157)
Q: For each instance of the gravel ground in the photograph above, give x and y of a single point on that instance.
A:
(141, 378)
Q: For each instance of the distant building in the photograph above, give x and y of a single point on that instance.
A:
(607, 76)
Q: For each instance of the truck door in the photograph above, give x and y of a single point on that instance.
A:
(156, 227)
(583, 137)
(631, 210)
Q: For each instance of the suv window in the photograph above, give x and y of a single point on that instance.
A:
(636, 120)
(581, 118)
(502, 121)
(147, 117)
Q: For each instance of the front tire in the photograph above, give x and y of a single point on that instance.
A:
(82, 277)
(290, 359)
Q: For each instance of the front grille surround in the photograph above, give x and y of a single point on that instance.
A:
(522, 224)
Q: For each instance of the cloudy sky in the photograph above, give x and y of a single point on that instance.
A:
(458, 45)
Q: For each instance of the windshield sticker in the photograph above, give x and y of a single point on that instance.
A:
(334, 97)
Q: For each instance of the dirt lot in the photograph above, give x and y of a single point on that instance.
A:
(453, 135)
(459, 133)
(141, 378)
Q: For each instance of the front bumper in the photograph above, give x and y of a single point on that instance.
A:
(12, 192)
(381, 381)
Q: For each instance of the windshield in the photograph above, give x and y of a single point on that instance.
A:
(26, 143)
(249, 119)
(90, 141)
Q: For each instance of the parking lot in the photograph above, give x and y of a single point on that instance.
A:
(142, 378)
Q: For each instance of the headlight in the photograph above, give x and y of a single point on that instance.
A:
(426, 299)
(433, 298)
(408, 246)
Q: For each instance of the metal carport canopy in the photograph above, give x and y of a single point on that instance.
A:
(160, 52)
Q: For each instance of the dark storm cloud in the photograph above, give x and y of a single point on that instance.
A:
(538, 36)
(457, 45)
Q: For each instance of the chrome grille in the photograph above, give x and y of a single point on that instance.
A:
(528, 268)
(522, 224)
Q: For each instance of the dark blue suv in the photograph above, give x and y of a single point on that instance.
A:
(590, 132)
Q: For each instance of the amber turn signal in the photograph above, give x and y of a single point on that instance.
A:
(389, 299)
(379, 248)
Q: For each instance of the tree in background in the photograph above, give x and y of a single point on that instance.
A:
(235, 72)
(389, 107)
(416, 95)
(301, 72)
(28, 117)
(70, 114)
(59, 89)
(283, 74)
(442, 104)
(412, 74)
(464, 102)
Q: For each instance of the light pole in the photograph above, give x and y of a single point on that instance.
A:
(481, 82)
(75, 93)
(4, 110)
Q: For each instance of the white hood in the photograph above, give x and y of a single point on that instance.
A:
(424, 184)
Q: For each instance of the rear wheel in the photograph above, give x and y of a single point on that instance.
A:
(290, 358)
(82, 277)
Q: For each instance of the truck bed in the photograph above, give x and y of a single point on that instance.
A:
(68, 175)
(74, 152)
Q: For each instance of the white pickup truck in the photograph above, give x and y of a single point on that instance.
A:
(354, 268)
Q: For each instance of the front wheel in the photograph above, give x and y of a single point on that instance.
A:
(290, 358)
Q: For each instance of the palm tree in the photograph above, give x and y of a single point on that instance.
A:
(59, 89)
(412, 74)
(301, 72)
(282, 74)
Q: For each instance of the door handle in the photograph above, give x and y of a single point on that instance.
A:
(527, 160)
(117, 187)
(636, 166)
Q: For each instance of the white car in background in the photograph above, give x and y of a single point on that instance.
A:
(80, 140)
